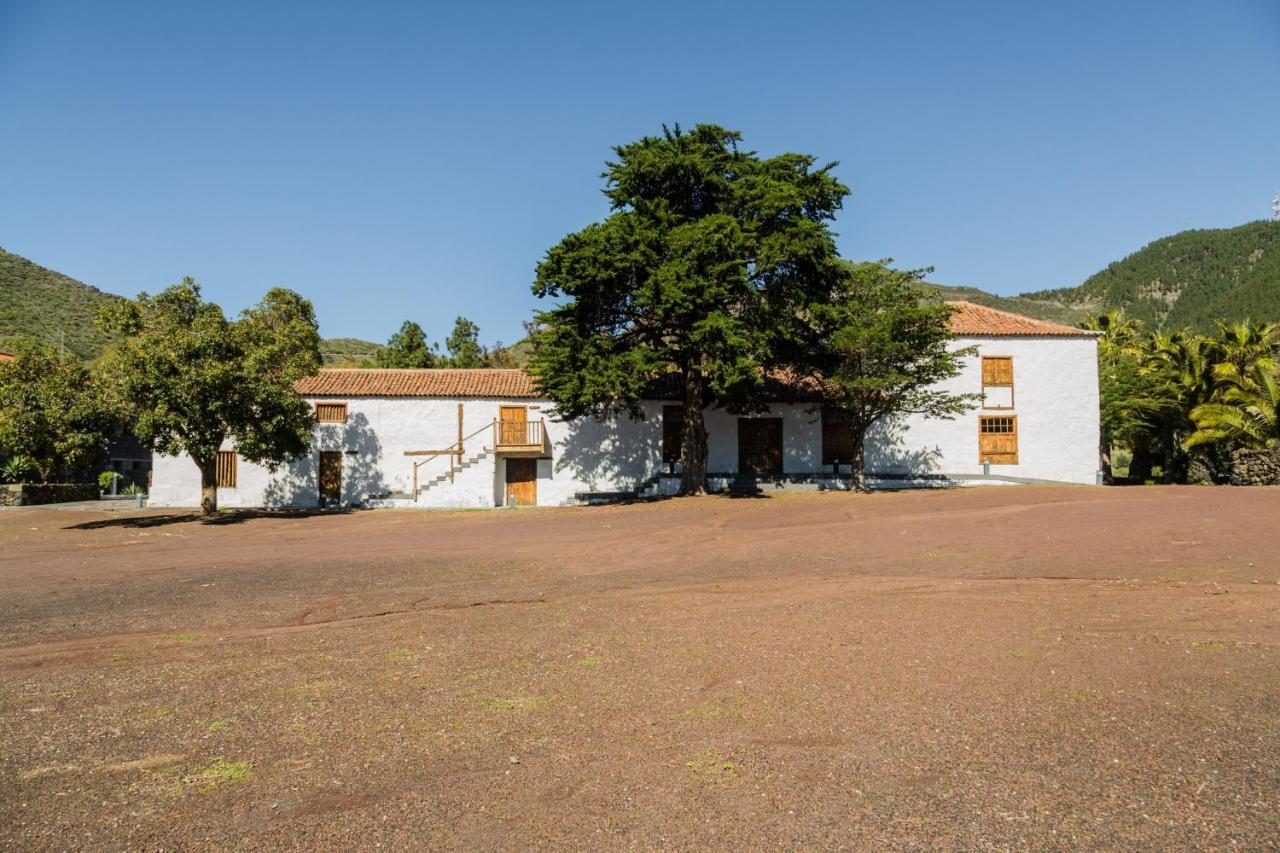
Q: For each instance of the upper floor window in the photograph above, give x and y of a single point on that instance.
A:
(997, 382)
(331, 413)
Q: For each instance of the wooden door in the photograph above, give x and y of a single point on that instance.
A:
(522, 482)
(513, 425)
(998, 440)
(760, 445)
(331, 476)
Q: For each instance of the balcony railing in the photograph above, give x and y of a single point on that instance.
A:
(518, 435)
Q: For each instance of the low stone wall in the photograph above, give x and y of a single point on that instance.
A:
(1256, 467)
(31, 494)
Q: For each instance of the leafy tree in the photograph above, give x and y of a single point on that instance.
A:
(197, 379)
(883, 348)
(53, 415)
(703, 270)
(407, 348)
(464, 345)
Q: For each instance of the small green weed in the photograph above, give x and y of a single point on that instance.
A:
(592, 662)
(218, 725)
(1018, 653)
(220, 772)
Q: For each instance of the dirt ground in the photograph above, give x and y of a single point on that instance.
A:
(998, 667)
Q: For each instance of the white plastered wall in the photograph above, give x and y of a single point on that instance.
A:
(1055, 391)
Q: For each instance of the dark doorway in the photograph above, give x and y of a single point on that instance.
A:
(330, 477)
(760, 445)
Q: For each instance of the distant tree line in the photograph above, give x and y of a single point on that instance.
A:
(409, 348)
(1176, 404)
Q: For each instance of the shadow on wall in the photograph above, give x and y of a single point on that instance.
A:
(887, 451)
(615, 454)
(298, 483)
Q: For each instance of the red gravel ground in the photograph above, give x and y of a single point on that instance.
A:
(996, 667)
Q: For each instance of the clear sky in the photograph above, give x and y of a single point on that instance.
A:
(415, 160)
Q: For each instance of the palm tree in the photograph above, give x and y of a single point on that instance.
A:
(1244, 345)
(1245, 416)
(1181, 366)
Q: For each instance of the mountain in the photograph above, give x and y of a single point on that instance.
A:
(36, 302)
(347, 352)
(40, 303)
(1187, 280)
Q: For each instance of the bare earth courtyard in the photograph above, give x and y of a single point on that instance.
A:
(995, 667)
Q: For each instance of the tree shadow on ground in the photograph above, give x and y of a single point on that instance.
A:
(236, 516)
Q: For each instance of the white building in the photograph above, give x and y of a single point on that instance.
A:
(483, 438)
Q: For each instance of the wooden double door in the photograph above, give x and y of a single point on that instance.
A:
(522, 482)
(760, 445)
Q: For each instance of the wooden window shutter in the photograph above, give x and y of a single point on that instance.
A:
(226, 469)
(331, 413)
(998, 439)
(997, 370)
(672, 433)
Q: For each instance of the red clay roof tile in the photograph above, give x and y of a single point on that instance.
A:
(378, 382)
(981, 321)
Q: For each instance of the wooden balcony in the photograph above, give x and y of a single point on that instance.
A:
(519, 436)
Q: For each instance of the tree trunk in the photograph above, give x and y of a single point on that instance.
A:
(208, 487)
(693, 479)
(1140, 464)
(858, 465)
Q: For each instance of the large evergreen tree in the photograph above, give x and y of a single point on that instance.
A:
(704, 269)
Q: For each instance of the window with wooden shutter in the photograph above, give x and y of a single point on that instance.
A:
(331, 413)
(672, 433)
(997, 382)
(998, 439)
(837, 437)
(226, 469)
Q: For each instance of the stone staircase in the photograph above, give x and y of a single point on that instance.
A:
(469, 462)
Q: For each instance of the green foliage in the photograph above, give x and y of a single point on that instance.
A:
(195, 379)
(107, 478)
(463, 344)
(881, 348)
(49, 307)
(52, 412)
(407, 348)
(16, 468)
(1245, 414)
(704, 269)
(1186, 397)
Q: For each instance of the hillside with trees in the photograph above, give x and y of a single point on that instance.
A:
(43, 305)
(1191, 280)
(49, 307)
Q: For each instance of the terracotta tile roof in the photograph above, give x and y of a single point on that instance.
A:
(378, 382)
(979, 320)
(4, 356)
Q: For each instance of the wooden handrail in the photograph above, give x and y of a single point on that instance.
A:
(454, 449)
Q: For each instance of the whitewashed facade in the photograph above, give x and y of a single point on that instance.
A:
(1051, 404)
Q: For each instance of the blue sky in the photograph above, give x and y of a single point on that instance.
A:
(415, 160)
